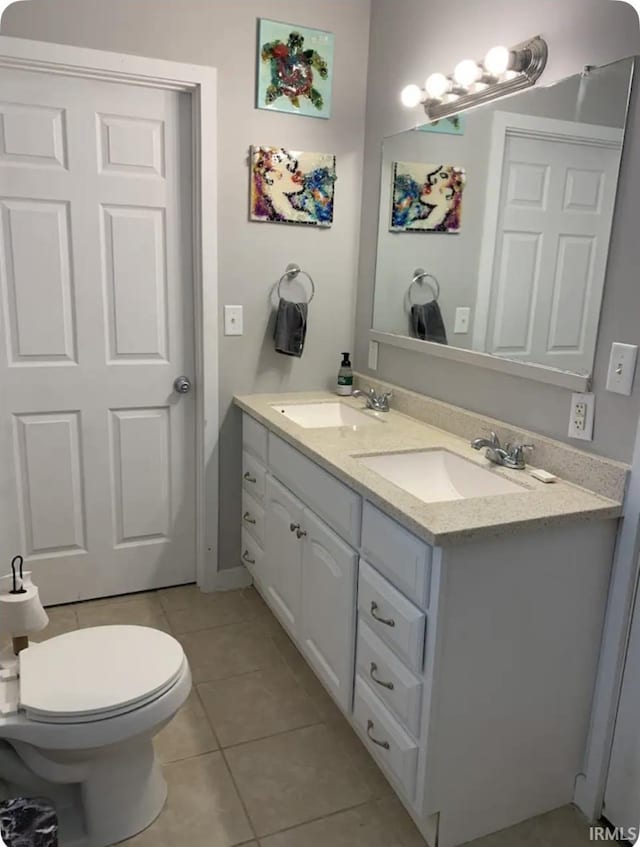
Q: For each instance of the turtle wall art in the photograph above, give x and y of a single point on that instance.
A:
(295, 69)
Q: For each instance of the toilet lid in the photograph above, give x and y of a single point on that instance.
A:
(98, 672)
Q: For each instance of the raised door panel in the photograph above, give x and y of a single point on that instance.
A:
(134, 248)
(516, 281)
(327, 623)
(283, 554)
(37, 283)
(49, 470)
(572, 281)
(131, 146)
(141, 475)
(32, 135)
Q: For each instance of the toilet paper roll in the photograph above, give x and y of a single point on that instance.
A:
(21, 613)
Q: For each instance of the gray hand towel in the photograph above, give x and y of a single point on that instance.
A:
(427, 322)
(291, 328)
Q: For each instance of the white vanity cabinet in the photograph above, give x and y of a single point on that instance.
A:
(466, 670)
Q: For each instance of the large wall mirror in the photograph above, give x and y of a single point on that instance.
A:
(494, 228)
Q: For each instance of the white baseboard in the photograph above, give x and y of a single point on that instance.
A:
(232, 578)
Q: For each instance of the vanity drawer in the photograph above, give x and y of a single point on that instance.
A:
(396, 751)
(253, 517)
(329, 498)
(254, 476)
(252, 555)
(403, 558)
(391, 616)
(396, 686)
(254, 438)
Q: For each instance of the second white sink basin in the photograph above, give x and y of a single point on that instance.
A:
(321, 415)
(437, 475)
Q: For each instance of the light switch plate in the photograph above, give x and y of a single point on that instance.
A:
(622, 366)
(233, 320)
(373, 356)
(463, 316)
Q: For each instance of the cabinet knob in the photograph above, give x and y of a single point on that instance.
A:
(295, 527)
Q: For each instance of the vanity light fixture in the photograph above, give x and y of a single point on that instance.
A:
(504, 70)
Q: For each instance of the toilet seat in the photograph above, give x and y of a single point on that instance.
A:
(97, 673)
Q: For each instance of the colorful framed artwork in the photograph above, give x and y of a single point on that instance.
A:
(295, 69)
(426, 198)
(451, 126)
(292, 187)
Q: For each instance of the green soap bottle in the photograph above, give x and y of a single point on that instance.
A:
(345, 376)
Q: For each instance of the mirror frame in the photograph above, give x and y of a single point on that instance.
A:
(512, 367)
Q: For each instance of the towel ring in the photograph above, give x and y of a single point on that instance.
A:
(291, 273)
(420, 276)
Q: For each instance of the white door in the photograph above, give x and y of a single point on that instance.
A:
(283, 554)
(555, 210)
(327, 621)
(96, 315)
(622, 794)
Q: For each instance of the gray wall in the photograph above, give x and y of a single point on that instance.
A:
(252, 256)
(401, 51)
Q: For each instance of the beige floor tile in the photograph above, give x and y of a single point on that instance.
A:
(188, 734)
(119, 598)
(344, 736)
(375, 824)
(178, 597)
(255, 602)
(203, 808)
(294, 777)
(256, 705)
(208, 610)
(144, 611)
(229, 651)
(564, 827)
(62, 619)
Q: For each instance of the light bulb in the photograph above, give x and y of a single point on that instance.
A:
(497, 60)
(411, 96)
(436, 86)
(466, 73)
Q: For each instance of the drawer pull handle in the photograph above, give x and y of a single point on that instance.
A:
(247, 558)
(386, 621)
(250, 478)
(383, 744)
(295, 527)
(372, 674)
(247, 517)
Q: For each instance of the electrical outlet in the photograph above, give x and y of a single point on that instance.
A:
(581, 416)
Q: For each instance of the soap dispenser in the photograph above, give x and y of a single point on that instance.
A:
(345, 376)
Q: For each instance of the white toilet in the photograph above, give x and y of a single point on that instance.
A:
(77, 716)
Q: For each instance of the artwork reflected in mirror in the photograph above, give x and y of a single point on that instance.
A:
(495, 237)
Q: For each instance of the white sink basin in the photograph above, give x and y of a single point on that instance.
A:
(321, 415)
(437, 475)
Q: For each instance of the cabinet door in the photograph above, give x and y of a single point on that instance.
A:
(327, 628)
(283, 554)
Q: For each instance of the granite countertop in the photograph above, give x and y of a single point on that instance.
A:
(336, 449)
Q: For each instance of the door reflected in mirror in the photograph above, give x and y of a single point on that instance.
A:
(494, 226)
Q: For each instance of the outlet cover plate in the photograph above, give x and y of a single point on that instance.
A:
(373, 356)
(581, 416)
(233, 320)
(463, 316)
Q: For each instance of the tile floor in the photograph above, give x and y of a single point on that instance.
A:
(259, 755)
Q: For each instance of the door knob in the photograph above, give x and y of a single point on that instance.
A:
(182, 385)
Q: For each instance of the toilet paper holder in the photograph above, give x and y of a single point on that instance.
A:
(17, 589)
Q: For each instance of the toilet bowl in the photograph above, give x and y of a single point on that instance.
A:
(80, 711)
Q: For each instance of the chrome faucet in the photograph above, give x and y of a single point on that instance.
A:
(375, 401)
(510, 456)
